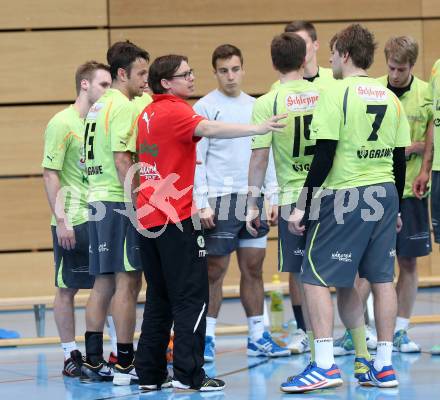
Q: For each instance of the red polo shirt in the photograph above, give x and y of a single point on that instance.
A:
(166, 147)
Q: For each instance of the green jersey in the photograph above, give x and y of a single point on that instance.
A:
(419, 113)
(64, 152)
(434, 85)
(110, 127)
(322, 80)
(368, 122)
(292, 148)
(141, 102)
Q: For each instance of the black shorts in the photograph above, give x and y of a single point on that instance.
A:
(414, 240)
(72, 266)
(339, 245)
(435, 204)
(230, 231)
(114, 242)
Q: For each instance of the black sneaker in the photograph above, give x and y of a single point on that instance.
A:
(208, 385)
(96, 373)
(72, 366)
(168, 383)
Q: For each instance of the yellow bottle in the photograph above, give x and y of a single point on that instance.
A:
(276, 305)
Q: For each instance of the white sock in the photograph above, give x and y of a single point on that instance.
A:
(68, 347)
(401, 324)
(256, 327)
(324, 357)
(383, 355)
(210, 327)
(112, 334)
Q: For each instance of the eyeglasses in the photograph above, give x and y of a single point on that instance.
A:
(185, 75)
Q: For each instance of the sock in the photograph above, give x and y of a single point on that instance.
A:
(210, 327)
(383, 355)
(401, 324)
(312, 345)
(68, 348)
(299, 317)
(360, 342)
(324, 357)
(256, 327)
(125, 354)
(94, 347)
(112, 334)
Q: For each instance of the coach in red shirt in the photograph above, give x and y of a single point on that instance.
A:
(172, 246)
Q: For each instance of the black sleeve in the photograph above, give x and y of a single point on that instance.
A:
(321, 165)
(399, 169)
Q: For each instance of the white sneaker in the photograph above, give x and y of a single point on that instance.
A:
(299, 343)
(402, 343)
(371, 335)
(125, 376)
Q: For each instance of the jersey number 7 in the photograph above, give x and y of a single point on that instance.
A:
(379, 110)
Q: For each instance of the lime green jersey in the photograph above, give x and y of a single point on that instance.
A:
(368, 121)
(322, 80)
(292, 148)
(110, 127)
(141, 102)
(64, 152)
(434, 86)
(419, 113)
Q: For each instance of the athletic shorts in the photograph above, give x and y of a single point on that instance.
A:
(72, 266)
(435, 204)
(114, 242)
(290, 247)
(414, 240)
(339, 244)
(230, 231)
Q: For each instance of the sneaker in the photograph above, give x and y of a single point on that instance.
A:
(96, 373)
(170, 350)
(208, 385)
(209, 353)
(361, 366)
(112, 359)
(371, 337)
(265, 346)
(435, 351)
(402, 343)
(299, 342)
(72, 366)
(344, 345)
(125, 376)
(313, 378)
(168, 383)
(385, 378)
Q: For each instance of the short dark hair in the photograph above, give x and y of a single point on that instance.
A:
(224, 52)
(358, 42)
(163, 67)
(87, 71)
(296, 26)
(288, 52)
(122, 55)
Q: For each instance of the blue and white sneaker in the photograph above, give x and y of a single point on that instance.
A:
(361, 367)
(209, 353)
(385, 378)
(313, 378)
(402, 343)
(266, 346)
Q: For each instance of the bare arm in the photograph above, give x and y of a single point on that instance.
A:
(55, 197)
(123, 162)
(415, 148)
(222, 130)
(421, 182)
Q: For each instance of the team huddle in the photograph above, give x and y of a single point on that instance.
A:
(341, 162)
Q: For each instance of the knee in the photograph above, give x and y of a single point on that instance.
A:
(129, 284)
(216, 271)
(66, 295)
(252, 271)
(408, 265)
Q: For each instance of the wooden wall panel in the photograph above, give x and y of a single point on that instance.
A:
(430, 8)
(24, 215)
(431, 33)
(22, 137)
(199, 42)
(182, 12)
(41, 65)
(52, 13)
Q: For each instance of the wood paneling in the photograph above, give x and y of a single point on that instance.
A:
(182, 12)
(431, 33)
(24, 215)
(52, 13)
(22, 137)
(41, 65)
(430, 8)
(199, 42)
